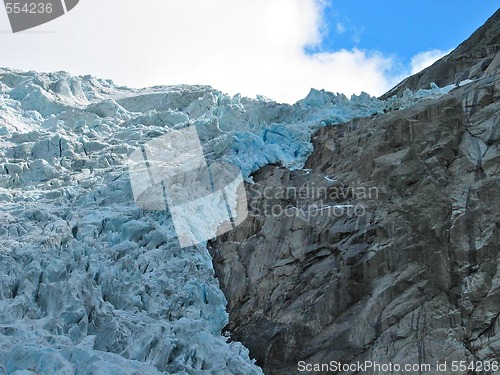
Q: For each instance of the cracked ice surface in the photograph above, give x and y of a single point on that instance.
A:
(91, 284)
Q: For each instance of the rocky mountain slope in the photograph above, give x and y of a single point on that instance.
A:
(472, 59)
(386, 246)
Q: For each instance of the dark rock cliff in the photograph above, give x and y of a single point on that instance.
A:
(387, 247)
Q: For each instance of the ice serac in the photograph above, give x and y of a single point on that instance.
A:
(90, 283)
(412, 279)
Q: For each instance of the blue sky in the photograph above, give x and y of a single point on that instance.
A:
(277, 48)
(403, 27)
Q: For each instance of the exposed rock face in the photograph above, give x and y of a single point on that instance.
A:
(402, 262)
(474, 58)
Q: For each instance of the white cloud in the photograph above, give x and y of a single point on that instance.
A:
(424, 59)
(252, 47)
(340, 27)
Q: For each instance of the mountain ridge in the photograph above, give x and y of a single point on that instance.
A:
(476, 56)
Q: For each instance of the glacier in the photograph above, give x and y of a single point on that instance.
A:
(92, 284)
